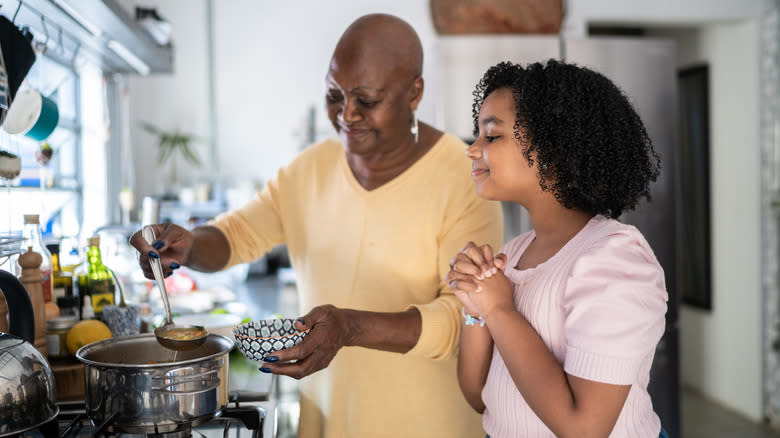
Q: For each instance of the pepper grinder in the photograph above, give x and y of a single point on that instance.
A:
(31, 277)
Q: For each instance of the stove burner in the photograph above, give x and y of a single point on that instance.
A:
(74, 422)
(181, 434)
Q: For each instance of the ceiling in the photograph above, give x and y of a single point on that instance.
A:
(98, 30)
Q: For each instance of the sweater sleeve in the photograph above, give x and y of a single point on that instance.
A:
(481, 222)
(614, 308)
(255, 228)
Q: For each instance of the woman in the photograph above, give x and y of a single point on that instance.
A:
(370, 222)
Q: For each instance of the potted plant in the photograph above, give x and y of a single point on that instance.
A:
(171, 144)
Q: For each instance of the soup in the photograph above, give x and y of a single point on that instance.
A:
(184, 334)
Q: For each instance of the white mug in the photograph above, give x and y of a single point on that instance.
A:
(32, 114)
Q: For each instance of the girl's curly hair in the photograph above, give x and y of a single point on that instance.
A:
(592, 150)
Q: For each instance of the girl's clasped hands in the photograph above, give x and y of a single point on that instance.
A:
(477, 278)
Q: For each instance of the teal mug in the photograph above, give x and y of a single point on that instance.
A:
(32, 114)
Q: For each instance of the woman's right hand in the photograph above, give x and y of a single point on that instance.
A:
(172, 247)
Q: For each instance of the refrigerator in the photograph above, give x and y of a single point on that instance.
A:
(645, 69)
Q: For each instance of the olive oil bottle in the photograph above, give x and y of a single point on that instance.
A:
(95, 282)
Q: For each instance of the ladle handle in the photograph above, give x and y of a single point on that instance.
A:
(149, 236)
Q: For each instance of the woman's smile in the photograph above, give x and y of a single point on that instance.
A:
(355, 133)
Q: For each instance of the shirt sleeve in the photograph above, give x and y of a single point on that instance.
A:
(614, 308)
(481, 222)
(255, 228)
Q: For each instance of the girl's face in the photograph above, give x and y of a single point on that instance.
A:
(499, 169)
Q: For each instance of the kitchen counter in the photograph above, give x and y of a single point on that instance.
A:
(245, 382)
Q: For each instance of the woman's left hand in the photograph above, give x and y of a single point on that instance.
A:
(329, 331)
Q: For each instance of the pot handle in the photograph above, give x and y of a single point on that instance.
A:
(20, 310)
(164, 384)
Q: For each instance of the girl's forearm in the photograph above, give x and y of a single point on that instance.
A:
(474, 356)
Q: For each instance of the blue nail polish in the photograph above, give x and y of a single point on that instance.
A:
(301, 321)
(271, 359)
(158, 244)
(168, 274)
(175, 265)
(153, 254)
(265, 370)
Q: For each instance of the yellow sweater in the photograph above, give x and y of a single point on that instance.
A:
(382, 250)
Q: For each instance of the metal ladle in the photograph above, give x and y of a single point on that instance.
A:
(166, 333)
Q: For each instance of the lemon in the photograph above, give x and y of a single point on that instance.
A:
(86, 332)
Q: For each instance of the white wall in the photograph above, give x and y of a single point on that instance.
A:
(721, 349)
(171, 101)
(271, 61)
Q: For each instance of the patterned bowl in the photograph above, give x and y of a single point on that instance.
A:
(257, 339)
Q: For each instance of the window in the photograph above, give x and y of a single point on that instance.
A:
(57, 191)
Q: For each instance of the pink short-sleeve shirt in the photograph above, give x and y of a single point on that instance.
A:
(599, 304)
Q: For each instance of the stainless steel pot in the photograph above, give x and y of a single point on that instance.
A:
(137, 386)
(26, 382)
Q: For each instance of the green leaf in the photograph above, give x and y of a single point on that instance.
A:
(170, 143)
(190, 155)
(148, 127)
(165, 154)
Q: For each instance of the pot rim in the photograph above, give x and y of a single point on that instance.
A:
(87, 348)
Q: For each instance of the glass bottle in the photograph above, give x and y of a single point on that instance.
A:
(34, 238)
(70, 256)
(100, 284)
(62, 282)
(79, 279)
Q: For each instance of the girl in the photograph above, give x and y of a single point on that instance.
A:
(561, 326)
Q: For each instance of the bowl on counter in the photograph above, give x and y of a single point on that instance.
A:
(258, 339)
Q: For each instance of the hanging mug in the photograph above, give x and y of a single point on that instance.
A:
(32, 114)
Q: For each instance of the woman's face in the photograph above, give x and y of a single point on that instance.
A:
(369, 106)
(499, 169)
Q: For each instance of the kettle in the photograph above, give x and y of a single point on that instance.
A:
(27, 398)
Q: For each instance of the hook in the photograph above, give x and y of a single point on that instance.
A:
(59, 42)
(19, 6)
(45, 30)
(75, 56)
(41, 47)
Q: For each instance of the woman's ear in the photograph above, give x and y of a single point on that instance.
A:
(416, 91)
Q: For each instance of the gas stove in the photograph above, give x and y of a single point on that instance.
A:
(235, 420)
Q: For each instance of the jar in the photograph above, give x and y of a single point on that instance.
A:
(56, 334)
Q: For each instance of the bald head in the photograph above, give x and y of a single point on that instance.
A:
(383, 40)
